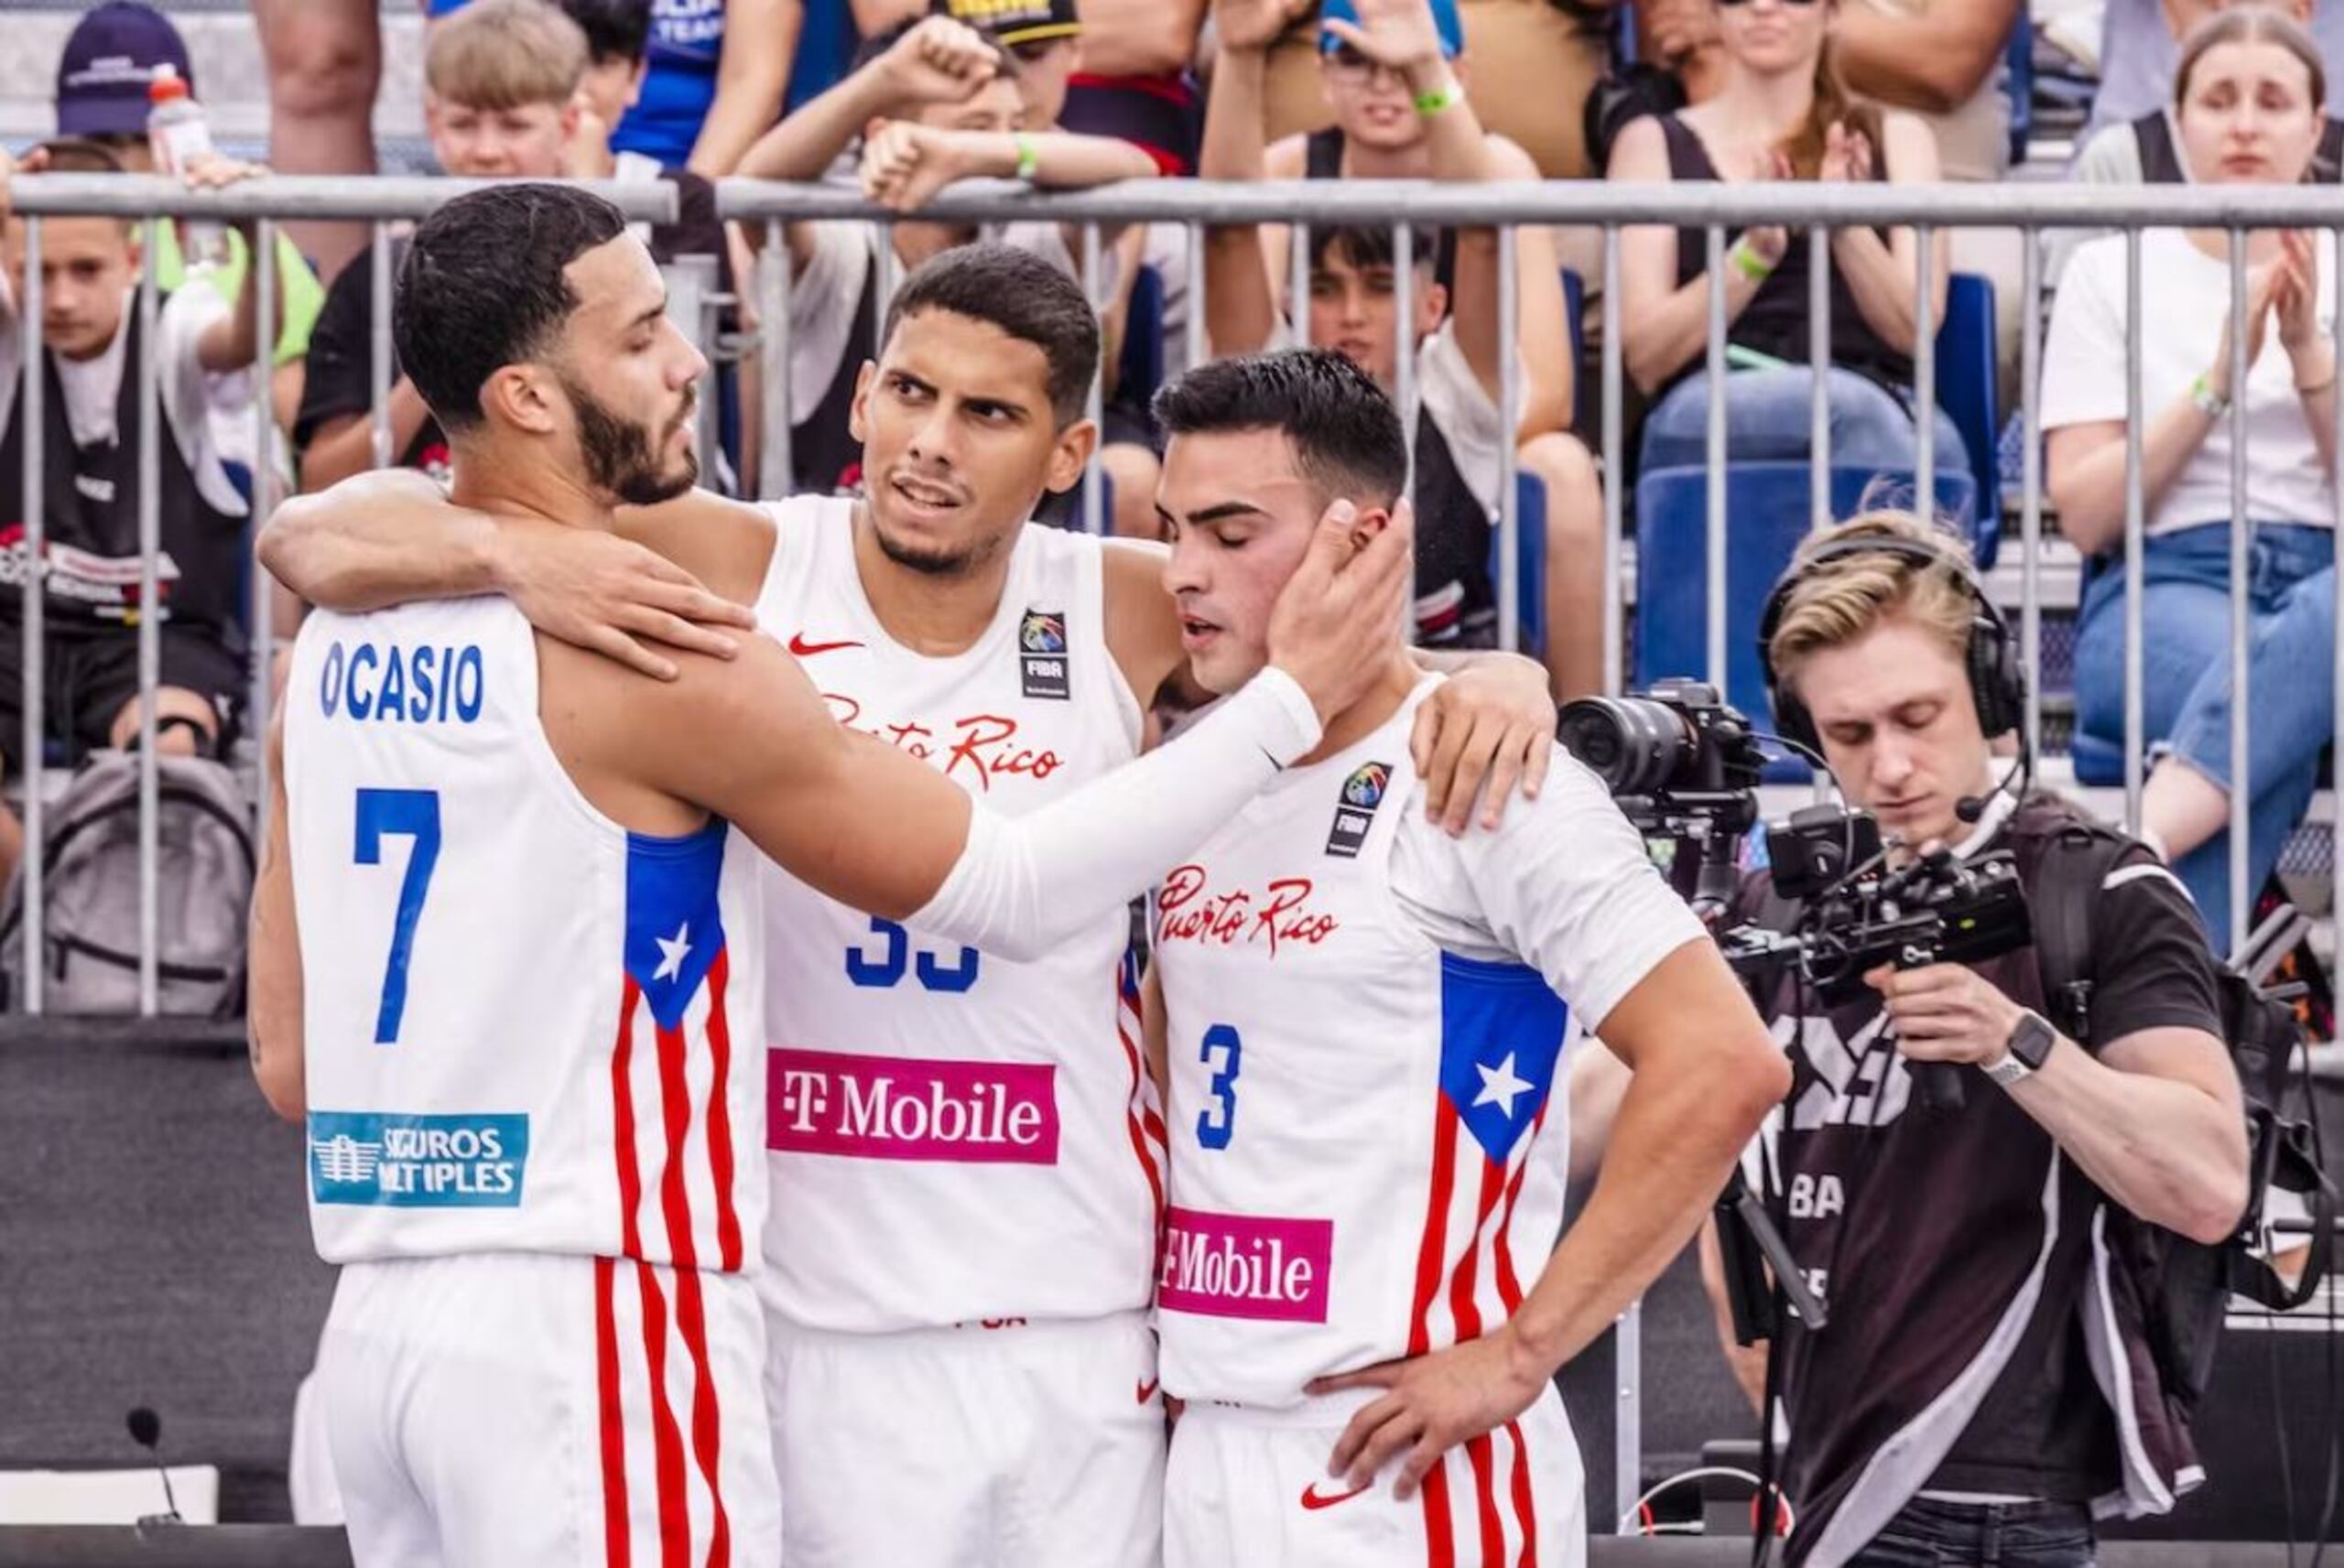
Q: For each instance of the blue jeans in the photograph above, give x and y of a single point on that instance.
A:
(1926, 1532)
(2186, 690)
(1769, 417)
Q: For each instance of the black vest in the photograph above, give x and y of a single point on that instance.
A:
(89, 511)
(2161, 160)
(1774, 322)
(1456, 605)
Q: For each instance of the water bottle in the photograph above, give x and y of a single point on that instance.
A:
(179, 135)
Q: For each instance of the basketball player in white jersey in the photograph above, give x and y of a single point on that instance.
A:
(1366, 1023)
(529, 1059)
(966, 1156)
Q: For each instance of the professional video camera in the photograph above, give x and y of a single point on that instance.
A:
(1683, 767)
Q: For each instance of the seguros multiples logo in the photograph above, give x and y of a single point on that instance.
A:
(397, 1160)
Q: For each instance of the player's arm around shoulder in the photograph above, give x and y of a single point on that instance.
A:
(751, 740)
(272, 993)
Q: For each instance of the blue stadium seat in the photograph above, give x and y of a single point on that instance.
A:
(1575, 312)
(1141, 368)
(1968, 391)
(1766, 516)
(2020, 85)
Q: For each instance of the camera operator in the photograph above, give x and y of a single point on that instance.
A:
(1949, 1409)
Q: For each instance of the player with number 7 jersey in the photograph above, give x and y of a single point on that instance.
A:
(505, 941)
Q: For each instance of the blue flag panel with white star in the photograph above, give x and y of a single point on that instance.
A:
(673, 930)
(1502, 1033)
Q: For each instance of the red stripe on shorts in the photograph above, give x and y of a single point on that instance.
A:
(613, 1416)
(666, 1438)
(691, 1321)
(1525, 1511)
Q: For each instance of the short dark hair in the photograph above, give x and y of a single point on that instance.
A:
(614, 29)
(1370, 245)
(483, 287)
(1345, 433)
(1023, 294)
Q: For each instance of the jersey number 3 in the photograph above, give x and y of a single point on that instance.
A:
(1222, 1050)
(394, 814)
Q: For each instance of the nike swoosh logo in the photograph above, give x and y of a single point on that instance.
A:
(1312, 1497)
(1147, 1390)
(805, 650)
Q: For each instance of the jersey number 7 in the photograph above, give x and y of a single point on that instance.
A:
(399, 813)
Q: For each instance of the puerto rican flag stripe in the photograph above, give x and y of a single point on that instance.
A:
(1142, 1118)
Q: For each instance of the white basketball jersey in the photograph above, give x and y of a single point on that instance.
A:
(1363, 1164)
(527, 1029)
(955, 1138)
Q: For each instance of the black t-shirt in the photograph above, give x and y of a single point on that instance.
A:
(1952, 1250)
(338, 378)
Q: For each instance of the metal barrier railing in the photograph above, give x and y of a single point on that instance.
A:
(149, 200)
(1708, 209)
(1711, 208)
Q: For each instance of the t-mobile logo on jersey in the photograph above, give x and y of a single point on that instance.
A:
(903, 1108)
(1238, 1265)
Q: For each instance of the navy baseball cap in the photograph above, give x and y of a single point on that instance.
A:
(109, 60)
(1445, 21)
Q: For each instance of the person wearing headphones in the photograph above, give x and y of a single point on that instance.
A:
(1949, 1409)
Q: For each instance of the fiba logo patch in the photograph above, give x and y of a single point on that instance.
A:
(1041, 652)
(1355, 809)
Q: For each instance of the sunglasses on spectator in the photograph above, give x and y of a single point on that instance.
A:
(1737, 4)
(1349, 61)
(1033, 51)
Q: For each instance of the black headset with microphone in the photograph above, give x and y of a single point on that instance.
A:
(1992, 658)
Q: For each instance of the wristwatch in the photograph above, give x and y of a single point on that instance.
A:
(2024, 1053)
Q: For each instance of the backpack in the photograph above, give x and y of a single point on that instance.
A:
(2185, 1286)
(205, 874)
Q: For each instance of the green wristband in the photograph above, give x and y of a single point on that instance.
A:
(1440, 99)
(1748, 262)
(1029, 161)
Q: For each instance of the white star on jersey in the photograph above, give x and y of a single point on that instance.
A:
(1500, 1088)
(674, 950)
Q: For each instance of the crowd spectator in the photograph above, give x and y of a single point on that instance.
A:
(1782, 113)
(204, 346)
(1453, 332)
(2146, 148)
(1534, 62)
(502, 79)
(714, 74)
(2140, 45)
(1941, 60)
(2249, 94)
(103, 75)
(324, 60)
(1133, 80)
(933, 103)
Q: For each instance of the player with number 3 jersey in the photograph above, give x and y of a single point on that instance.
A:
(1366, 1023)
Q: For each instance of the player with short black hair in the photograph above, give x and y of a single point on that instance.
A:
(1365, 1023)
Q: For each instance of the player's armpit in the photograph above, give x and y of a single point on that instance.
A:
(273, 994)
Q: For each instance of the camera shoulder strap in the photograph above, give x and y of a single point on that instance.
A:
(2076, 859)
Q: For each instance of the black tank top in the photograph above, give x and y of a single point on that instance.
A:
(1776, 320)
(1323, 159)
